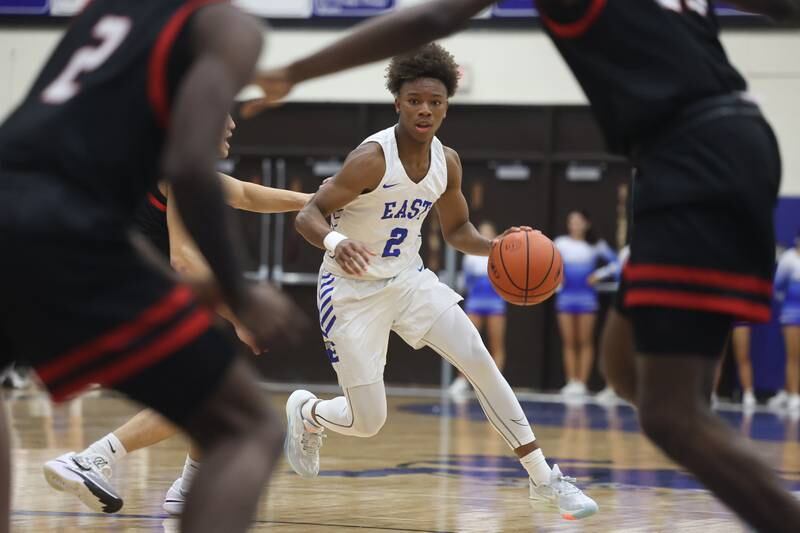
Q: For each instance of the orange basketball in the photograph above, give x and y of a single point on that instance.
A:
(525, 267)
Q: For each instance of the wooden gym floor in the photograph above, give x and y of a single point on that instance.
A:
(435, 467)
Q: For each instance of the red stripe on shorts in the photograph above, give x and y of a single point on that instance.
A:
(572, 30)
(163, 346)
(740, 308)
(699, 276)
(119, 338)
(155, 202)
(157, 90)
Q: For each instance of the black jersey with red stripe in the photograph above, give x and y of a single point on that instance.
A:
(96, 115)
(151, 219)
(641, 61)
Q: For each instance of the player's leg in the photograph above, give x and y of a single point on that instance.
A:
(791, 336)
(240, 437)
(455, 338)
(175, 498)
(585, 342)
(361, 412)
(460, 385)
(567, 326)
(496, 331)
(146, 428)
(355, 330)
(618, 354)
(741, 351)
(674, 386)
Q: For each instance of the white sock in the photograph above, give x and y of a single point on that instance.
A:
(537, 468)
(109, 447)
(190, 468)
(305, 412)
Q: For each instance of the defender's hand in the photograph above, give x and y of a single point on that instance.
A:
(353, 257)
(270, 316)
(276, 85)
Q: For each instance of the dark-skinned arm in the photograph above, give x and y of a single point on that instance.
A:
(224, 62)
(362, 171)
(227, 44)
(453, 212)
(376, 39)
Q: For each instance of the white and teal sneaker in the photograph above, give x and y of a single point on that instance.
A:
(572, 503)
(303, 439)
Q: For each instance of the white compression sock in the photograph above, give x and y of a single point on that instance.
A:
(190, 468)
(537, 467)
(109, 447)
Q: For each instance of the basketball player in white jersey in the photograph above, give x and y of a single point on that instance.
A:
(372, 280)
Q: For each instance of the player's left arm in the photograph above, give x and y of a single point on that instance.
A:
(259, 199)
(453, 212)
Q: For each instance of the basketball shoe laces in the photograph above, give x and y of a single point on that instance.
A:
(96, 463)
(311, 441)
(565, 485)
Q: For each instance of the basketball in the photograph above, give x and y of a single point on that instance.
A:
(525, 267)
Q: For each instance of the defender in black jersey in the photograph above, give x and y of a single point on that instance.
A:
(158, 220)
(136, 92)
(707, 176)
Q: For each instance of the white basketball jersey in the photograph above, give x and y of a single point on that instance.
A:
(389, 218)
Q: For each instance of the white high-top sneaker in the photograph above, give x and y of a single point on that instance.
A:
(303, 439)
(175, 498)
(561, 491)
(87, 477)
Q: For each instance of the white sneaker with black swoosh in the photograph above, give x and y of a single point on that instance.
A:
(86, 476)
(175, 498)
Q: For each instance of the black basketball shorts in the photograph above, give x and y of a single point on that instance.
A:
(703, 245)
(82, 307)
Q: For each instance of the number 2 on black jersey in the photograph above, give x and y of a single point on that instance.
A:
(110, 30)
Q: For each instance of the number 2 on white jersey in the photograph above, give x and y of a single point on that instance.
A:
(110, 30)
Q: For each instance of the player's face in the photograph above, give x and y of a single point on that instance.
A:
(577, 225)
(421, 107)
(225, 147)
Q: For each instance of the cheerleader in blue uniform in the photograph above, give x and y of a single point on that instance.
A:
(483, 307)
(576, 300)
(787, 286)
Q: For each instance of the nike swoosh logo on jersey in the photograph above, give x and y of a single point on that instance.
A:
(111, 446)
(389, 185)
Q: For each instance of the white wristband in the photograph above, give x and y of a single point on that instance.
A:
(332, 240)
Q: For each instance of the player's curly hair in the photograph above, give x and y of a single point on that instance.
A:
(430, 61)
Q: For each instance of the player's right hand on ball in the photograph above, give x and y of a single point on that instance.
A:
(271, 317)
(353, 257)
